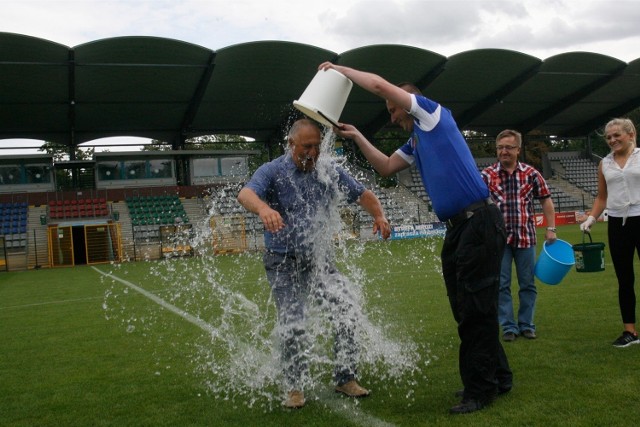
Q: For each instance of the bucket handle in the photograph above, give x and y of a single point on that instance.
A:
(585, 234)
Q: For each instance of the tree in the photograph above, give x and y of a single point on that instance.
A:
(74, 176)
(61, 152)
(206, 142)
(218, 142)
(599, 145)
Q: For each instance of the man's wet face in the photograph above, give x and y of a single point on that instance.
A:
(305, 148)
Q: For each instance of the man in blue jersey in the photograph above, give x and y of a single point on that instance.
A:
(293, 196)
(475, 237)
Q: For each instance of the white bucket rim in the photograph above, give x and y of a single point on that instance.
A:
(315, 114)
(325, 97)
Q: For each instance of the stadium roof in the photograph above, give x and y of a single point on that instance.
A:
(172, 90)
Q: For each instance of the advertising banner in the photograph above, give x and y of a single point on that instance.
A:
(564, 218)
(410, 231)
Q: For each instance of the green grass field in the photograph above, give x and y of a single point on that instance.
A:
(79, 348)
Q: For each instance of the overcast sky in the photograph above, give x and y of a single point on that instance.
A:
(541, 28)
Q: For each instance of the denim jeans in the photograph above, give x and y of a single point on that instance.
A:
(296, 282)
(525, 263)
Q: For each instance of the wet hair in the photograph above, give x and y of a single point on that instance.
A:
(410, 87)
(299, 124)
(625, 124)
(510, 132)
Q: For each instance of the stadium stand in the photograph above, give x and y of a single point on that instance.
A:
(77, 208)
(156, 210)
(148, 214)
(582, 173)
(153, 218)
(13, 224)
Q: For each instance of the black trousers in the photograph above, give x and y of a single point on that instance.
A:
(471, 258)
(624, 243)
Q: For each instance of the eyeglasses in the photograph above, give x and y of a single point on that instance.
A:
(506, 147)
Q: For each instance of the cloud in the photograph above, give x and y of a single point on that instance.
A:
(560, 26)
(398, 22)
(537, 27)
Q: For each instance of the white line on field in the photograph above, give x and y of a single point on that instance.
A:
(37, 304)
(348, 411)
(186, 316)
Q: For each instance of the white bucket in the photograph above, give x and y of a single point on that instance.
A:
(325, 97)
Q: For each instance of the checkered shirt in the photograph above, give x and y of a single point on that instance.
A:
(514, 194)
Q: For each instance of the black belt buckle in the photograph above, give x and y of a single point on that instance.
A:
(467, 212)
(459, 218)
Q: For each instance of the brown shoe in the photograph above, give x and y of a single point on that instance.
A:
(352, 389)
(509, 337)
(295, 400)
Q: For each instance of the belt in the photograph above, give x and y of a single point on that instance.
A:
(467, 212)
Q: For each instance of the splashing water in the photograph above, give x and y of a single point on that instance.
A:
(236, 353)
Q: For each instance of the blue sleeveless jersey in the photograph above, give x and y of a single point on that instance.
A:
(440, 152)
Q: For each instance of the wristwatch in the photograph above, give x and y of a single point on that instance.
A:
(551, 229)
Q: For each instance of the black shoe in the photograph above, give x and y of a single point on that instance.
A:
(626, 339)
(530, 334)
(501, 390)
(467, 406)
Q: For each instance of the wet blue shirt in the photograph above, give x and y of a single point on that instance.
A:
(440, 152)
(303, 199)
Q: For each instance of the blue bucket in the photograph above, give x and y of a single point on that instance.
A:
(554, 262)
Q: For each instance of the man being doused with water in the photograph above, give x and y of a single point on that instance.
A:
(295, 196)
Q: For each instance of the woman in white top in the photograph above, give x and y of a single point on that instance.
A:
(619, 192)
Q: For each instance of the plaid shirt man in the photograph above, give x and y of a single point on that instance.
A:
(514, 194)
